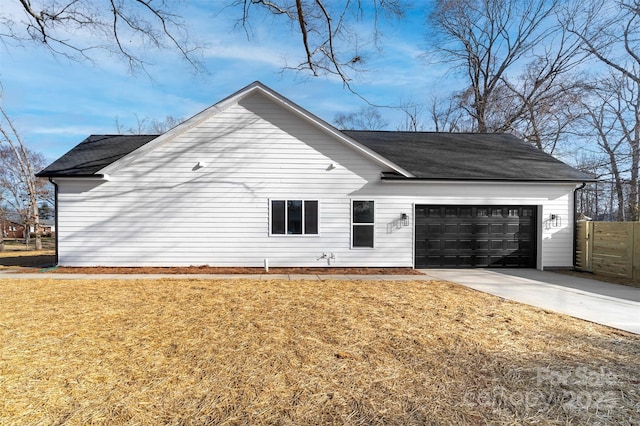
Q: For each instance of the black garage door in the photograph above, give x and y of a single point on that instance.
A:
(475, 236)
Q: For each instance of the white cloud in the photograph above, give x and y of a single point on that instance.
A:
(246, 52)
(63, 130)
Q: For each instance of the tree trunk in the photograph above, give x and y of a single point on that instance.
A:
(618, 186)
(635, 164)
(480, 111)
(36, 224)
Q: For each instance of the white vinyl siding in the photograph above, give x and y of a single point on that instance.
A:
(161, 210)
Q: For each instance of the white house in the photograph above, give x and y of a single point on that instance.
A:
(257, 178)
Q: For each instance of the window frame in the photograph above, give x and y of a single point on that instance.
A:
(286, 233)
(370, 224)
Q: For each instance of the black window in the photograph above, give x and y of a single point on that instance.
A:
(310, 217)
(363, 224)
(294, 217)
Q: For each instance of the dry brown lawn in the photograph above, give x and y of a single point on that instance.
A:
(193, 352)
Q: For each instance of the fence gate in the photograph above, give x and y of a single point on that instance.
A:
(609, 248)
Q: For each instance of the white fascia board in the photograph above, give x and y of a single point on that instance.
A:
(97, 178)
(572, 184)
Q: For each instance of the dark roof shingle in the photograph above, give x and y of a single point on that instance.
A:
(93, 154)
(467, 156)
(427, 155)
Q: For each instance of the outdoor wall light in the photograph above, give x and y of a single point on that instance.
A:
(199, 165)
(404, 219)
(555, 219)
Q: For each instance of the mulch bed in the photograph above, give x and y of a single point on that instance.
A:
(230, 271)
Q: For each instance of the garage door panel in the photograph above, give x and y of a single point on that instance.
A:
(525, 228)
(451, 228)
(513, 245)
(475, 236)
(482, 229)
(467, 261)
(514, 228)
(497, 244)
(465, 228)
(435, 228)
(466, 245)
(451, 245)
(497, 228)
(434, 244)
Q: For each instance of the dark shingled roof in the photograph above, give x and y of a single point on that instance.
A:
(466, 156)
(427, 155)
(93, 154)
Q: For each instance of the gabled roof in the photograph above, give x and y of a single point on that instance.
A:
(411, 155)
(254, 88)
(93, 154)
(466, 156)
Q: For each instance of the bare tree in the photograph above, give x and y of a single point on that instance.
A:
(598, 118)
(368, 118)
(520, 65)
(412, 119)
(543, 109)
(157, 127)
(447, 115)
(147, 125)
(613, 118)
(18, 184)
(596, 200)
(610, 32)
(327, 30)
(77, 28)
(15, 189)
(487, 38)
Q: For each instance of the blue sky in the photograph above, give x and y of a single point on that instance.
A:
(56, 103)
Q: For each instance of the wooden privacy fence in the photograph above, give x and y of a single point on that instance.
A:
(609, 248)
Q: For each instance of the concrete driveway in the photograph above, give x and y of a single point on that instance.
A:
(614, 305)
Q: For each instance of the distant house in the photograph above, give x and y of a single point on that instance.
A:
(11, 229)
(47, 228)
(257, 179)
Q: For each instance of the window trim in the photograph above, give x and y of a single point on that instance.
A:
(286, 217)
(372, 225)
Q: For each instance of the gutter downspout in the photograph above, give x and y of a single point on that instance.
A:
(575, 221)
(55, 186)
